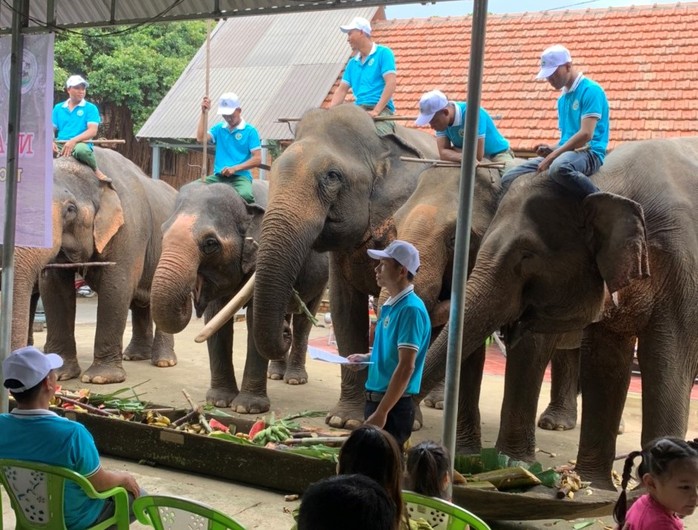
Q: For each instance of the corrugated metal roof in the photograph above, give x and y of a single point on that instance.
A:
(280, 66)
(45, 15)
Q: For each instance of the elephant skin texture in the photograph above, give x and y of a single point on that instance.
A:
(94, 221)
(550, 265)
(209, 252)
(334, 189)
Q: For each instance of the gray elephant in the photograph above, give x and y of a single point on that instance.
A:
(98, 222)
(333, 189)
(546, 266)
(210, 251)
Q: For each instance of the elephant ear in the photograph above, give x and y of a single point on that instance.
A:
(249, 255)
(109, 217)
(619, 238)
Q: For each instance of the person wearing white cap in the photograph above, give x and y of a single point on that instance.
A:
(583, 118)
(33, 432)
(371, 74)
(447, 118)
(75, 122)
(400, 345)
(238, 148)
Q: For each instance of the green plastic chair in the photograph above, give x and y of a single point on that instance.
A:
(36, 496)
(165, 512)
(441, 514)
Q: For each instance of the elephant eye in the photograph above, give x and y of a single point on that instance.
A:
(333, 176)
(71, 210)
(210, 245)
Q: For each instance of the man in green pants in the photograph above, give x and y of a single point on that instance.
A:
(238, 148)
(75, 121)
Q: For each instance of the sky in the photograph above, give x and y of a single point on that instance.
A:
(465, 7)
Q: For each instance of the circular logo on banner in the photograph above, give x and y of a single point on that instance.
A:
(238, 136)
(30, 69)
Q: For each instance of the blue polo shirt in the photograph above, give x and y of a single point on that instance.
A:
(495, 143)
(366, 77)
(403, 323)
(42, 436)
(585, 99)
(69, 124)
(234, 146)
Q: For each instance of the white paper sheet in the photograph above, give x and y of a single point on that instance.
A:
(322, 355)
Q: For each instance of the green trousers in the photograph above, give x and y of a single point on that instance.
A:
(242, 185)
(383, 127)
(84, 153)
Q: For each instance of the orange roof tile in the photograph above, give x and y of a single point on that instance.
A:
(644, 57)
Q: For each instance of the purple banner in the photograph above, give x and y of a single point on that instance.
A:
(35, 167)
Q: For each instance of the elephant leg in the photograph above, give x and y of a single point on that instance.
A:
(57, 287)
(141, 345)
(433, 375)
(525, 368)
(604, 376)
(33, 303)
(561, 413)
(252, 398)
(224, 388)
(350, 321)
(163, 350)
(468, 431)
(296, 373)
(277, 369)
(435, 398)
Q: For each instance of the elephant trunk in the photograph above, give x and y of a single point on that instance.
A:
(174, 280)
(285, 244)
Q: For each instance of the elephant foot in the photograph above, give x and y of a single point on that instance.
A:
(163, 359)
(346, 415)
(221, 397)
(435, 398)
(418, 417)
(102, 374)
(276, 370)
(296, 375)
(69, 370)
(247, 403)
(621, 426)
(558, 419)
(137, 352)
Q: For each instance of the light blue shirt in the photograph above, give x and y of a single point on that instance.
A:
(495, 143)
(585, 99)
(403, 323)
(69, 124)
(42, 436)
(234, 146)
(366, 78)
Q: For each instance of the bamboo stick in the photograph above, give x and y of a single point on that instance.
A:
(316, 440)
(449, 163)
(85, 406)
(204, 161)
(77, 265)
(99, 141)
(375, 118)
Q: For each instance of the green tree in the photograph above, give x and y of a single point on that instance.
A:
(128, 69)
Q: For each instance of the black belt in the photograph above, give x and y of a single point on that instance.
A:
(376, 397)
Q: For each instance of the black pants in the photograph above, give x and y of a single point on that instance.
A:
(400, 418)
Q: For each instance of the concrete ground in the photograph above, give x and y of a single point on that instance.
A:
(265, 509)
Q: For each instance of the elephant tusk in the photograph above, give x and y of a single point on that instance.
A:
(228, 311)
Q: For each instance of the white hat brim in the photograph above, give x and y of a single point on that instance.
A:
(424, 119)
(54, 360)
(378, 254)
(546, 72)
(225, 111)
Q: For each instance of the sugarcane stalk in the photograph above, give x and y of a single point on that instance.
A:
(304, 308)
(91, 408)
(316, 440)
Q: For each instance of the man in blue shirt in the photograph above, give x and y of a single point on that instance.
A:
(75, 121)
(400, 344)
(32, 432)
(583, 119)
(371, 74)
(238, 148)
(447, 118)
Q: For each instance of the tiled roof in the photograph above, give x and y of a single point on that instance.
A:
(645, 57)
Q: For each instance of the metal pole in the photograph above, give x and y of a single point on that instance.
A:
(155, 166)
(460, 260)
(20, 10)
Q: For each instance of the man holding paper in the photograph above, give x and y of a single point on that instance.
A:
(403, 331)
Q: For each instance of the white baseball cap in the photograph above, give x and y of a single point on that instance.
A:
(76, 80)
(29, 366)
(429, 104)
(228, 103)
(402, 252)
(552, 58)
(358, 23)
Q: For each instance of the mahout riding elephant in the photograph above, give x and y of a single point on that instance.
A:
(99, 222)
(209, 252)
(550, 264)
(333, 189)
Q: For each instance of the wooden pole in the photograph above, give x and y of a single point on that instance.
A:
(204, 162)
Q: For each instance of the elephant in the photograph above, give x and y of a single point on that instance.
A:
(115, 227)
(550, 265)
(209, 250)
(333, 189)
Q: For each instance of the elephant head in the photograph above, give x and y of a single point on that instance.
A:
(331, 190)
(209, 249)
